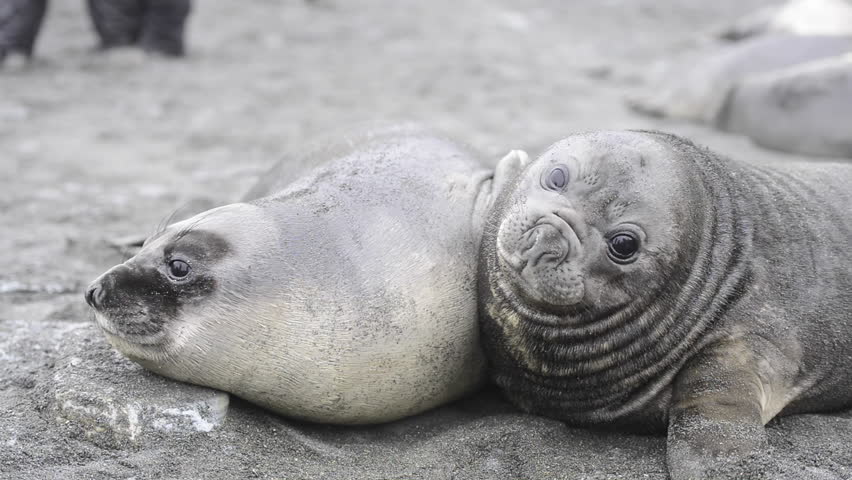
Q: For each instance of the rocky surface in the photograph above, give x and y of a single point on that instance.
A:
(114, 403)
(98, 148)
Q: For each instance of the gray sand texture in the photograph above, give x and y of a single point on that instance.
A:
(98, 147)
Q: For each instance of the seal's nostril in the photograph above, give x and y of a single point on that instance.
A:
(545, 245)
(92, 295)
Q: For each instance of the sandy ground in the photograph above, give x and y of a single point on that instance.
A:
(96, 147)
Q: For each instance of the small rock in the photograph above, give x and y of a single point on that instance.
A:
(599, 72)
(13, 112)
(113, 402)
(29, 147)
(16, 286)
(514, 20)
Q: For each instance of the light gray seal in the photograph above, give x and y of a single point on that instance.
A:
(632, 279)
(806, 108)
(785, 92)
(346, 297)
(698, 88)
(797, 17)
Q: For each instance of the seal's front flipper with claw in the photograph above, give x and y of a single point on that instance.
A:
(716, 414)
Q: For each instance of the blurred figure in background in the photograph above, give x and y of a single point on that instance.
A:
(156, 26)
(20, 21)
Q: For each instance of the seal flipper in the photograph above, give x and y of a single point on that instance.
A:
(507, 170)
(715, 419)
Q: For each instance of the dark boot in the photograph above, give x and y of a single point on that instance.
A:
(117, 22)
(20, 22)
(163, 26)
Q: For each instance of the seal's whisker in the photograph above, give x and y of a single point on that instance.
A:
(185, 230)
(165, 222)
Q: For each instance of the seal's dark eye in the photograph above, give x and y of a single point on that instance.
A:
(556, 178)
(623, 247)
(179, 268)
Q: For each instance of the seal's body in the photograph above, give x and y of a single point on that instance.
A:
(797, 17)
(634, 279)
(346, 297)
(806, 108)
(786, 92)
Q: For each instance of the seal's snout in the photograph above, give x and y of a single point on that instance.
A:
(98, 291)
(545, 245)
(542, 258)
(94, 294)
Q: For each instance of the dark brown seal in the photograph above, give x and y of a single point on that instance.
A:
(633, 279)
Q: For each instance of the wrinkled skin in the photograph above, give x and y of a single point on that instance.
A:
(346, 296)
(634, 280)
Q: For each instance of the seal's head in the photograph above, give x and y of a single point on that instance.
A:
(180, 283)
(594, 223)
(602, 266)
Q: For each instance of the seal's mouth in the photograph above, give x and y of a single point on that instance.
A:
(539, 263)
(125, 307)
(549, 317)
(133, 333)
(140, 350)
(549, 242)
